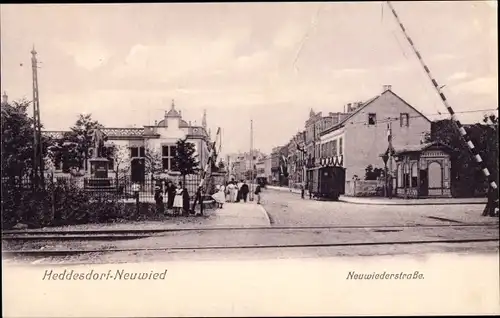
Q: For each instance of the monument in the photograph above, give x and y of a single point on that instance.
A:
(98, 163)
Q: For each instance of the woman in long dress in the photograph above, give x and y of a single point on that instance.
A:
(220, 196)
(178, 200)
(232, 191)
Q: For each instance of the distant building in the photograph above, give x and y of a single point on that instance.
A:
(241, 165)
(263, 168)
(160, 138)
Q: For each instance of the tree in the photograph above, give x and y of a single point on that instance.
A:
(121, 159)
(185, 159)
(17, 140)
(466, 175)
(153, 161)
(373, 173)
(81, 135)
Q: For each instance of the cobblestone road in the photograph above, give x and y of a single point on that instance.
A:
(288, 209)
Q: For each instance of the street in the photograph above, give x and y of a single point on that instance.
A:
(296, 227)
(288, 209)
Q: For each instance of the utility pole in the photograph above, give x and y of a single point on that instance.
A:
(251, 160)
(389, 139)
(38, 167)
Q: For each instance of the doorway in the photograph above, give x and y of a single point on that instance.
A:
(137, 170)
(424, 183)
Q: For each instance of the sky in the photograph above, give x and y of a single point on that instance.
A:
(266, 62)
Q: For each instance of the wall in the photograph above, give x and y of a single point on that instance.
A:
(363, 144)
(364, 188)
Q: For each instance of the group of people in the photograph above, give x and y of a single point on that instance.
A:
(234, 192)
(177, 198)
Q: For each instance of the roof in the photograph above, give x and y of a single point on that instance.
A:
(182, 122)
(173, 112)
(364, 105)
(422, 147)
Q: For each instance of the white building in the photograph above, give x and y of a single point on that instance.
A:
(157, 141)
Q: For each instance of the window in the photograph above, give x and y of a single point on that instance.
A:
(341, 149)
(168, 157)
(404, 120)
(334, 150)
(137, 152)
(414, 173)
(372, 119)
(134, 152)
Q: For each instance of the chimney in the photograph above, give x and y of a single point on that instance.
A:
(387, 87)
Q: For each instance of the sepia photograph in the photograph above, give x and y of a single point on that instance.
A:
(249, 159)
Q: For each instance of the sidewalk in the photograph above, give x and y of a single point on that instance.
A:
(241, 215)
(248, 214)
(396, 201)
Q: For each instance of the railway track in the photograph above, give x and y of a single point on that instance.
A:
(141, 233)
(69, 252)
(18, 243)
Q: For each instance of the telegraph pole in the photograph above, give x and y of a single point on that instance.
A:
(390, 160)
(38, 167)
(251, 160)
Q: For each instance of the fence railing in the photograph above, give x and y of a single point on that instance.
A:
(122, 188)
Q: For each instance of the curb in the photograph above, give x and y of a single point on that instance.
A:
(404, 203)
(268, 217)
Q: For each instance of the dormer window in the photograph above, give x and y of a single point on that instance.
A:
(372, 119)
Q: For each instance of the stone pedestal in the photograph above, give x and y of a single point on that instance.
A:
(99, 173)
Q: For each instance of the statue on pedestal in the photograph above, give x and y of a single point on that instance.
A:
(98, 139)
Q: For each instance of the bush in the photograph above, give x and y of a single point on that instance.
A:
(65, 204)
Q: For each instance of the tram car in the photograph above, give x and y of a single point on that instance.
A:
(326, 182)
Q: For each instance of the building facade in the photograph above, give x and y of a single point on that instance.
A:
(358, 140)
(353, 139)
(137, 146)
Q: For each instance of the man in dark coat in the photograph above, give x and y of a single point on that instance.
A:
(170, 192)
(244, 191)
(185, 201)
(160, 208)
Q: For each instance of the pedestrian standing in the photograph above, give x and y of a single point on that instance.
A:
(178, 199)
(258, 191)
(302, 190)
(244, 191)
(239, 194)
(232, 191)
(160, 208)
(170, 192)
(220, 196)
(186, 200)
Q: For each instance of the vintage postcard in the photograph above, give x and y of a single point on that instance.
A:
(249, 159)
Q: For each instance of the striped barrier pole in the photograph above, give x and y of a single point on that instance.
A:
(461, 129)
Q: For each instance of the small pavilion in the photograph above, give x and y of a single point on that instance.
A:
(423, 171)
